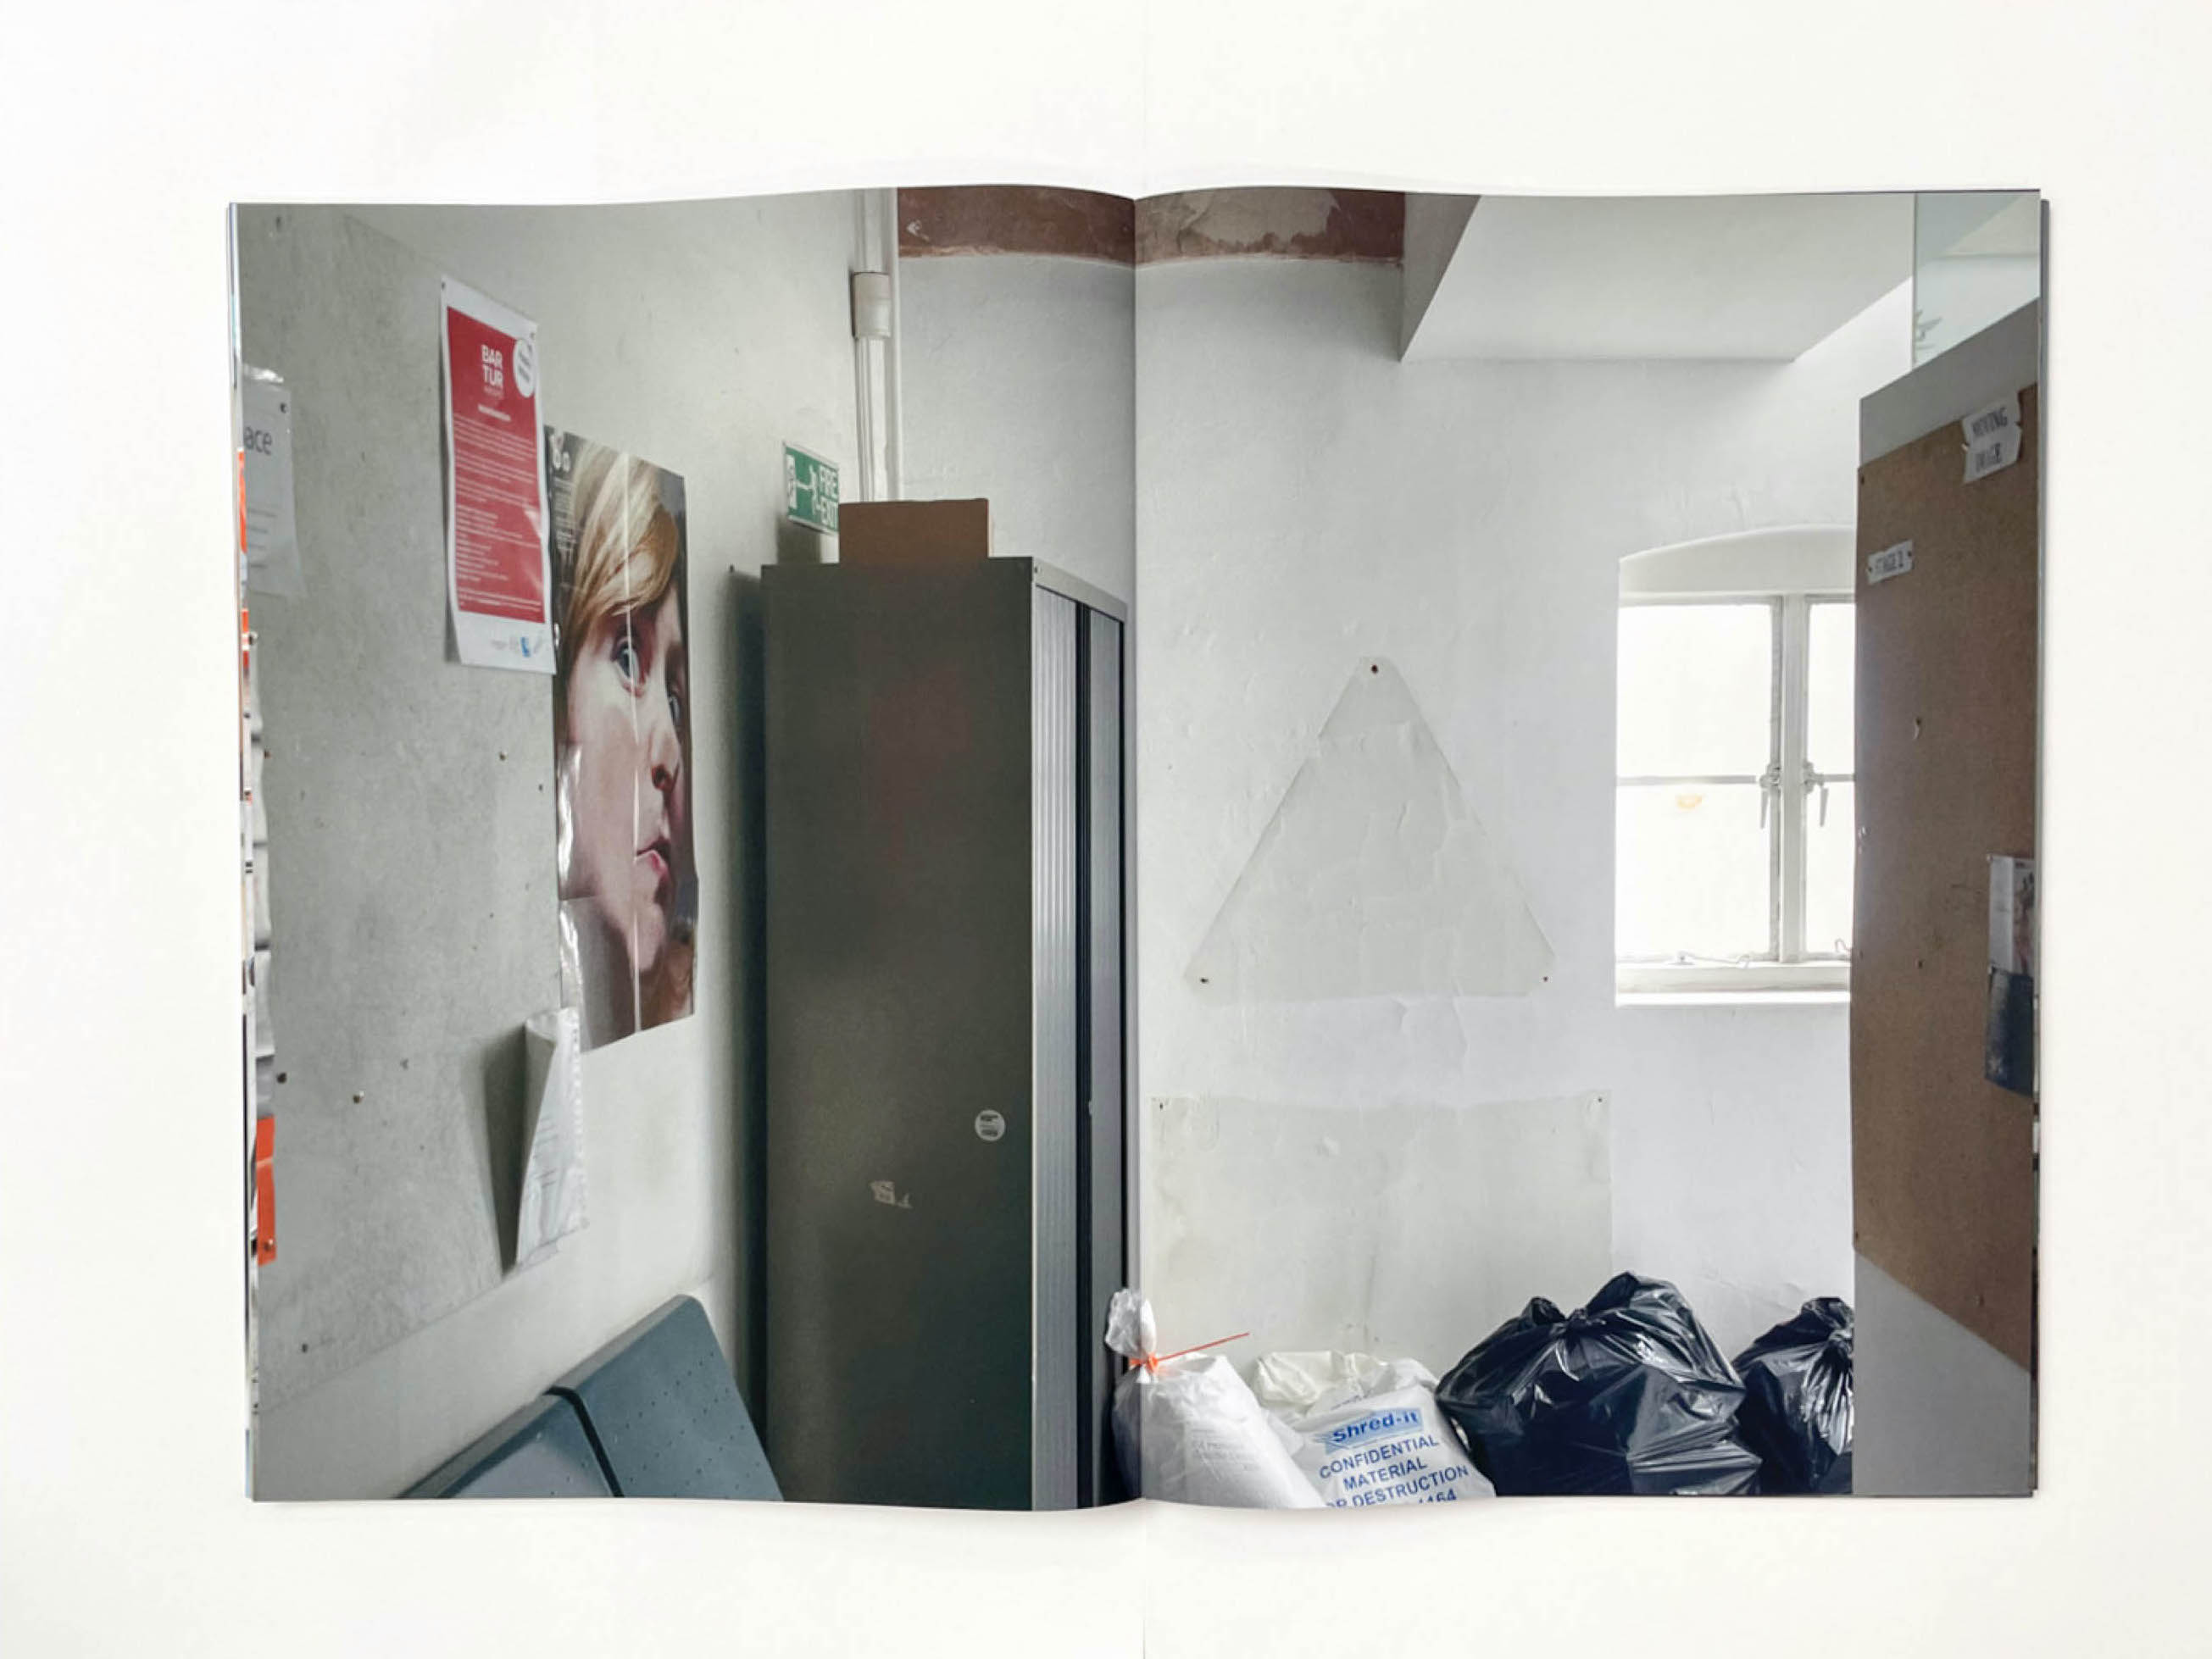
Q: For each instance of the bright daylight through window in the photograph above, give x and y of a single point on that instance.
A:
(1732, 815)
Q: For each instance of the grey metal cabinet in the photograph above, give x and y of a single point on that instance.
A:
(947, 1128)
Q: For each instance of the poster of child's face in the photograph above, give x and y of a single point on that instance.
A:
(621, 739)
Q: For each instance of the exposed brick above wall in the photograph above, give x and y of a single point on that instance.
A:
(1364, 227)
(1076, 224)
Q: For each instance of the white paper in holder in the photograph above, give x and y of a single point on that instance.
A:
(552, 1203)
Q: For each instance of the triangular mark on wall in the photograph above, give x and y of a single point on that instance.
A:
(1373, 879)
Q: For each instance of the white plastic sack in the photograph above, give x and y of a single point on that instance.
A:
(1188, 1429)
(1369, 1431)
(1296, 1385)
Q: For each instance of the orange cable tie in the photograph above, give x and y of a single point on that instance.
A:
(1152, 1362)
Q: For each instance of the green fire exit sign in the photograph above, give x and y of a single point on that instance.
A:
(809, 490)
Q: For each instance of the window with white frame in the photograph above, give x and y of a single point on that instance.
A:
(1733, 801)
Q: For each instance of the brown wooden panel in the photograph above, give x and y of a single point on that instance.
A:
(1943, 1173)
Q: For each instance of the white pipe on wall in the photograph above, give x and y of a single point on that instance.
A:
(887, 211)
(875, 342)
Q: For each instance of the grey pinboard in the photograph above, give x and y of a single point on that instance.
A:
(411, 826)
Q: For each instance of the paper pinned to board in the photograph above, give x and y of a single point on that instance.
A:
(1992, 437)
(498, 577)
(553, 1188)
(1890, 562)
(272, 537)
(2011, 913)
(1407, 1230)
(2009, 1061)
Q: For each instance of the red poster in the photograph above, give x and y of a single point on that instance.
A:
(496, 570)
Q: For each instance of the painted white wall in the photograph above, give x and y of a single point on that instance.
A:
(1955, 299)
(699, 336)
(1308, 501)
(1434, 225)
(1016, 384)
(1758, 277)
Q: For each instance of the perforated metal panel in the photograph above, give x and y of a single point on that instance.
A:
(541, 1451)
(1053, 1408)
(665, 1414)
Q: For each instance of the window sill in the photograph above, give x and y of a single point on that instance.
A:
(1746, 998)
(1704, 984)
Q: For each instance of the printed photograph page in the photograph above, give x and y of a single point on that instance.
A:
(1321, 829)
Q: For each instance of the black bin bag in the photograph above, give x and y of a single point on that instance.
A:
(1628, 1394)
(1796, 1409)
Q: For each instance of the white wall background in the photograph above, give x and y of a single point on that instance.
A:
(699, 336)
(120, 1540)
(1306, 500)
(1015, 384)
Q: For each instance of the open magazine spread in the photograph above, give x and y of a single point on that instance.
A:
(1278, 846)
